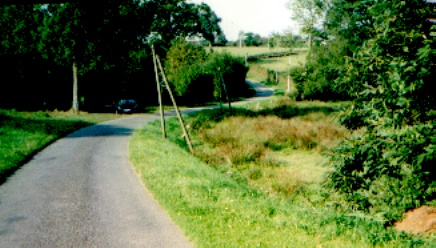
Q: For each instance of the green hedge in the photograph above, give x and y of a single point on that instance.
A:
(197, 77)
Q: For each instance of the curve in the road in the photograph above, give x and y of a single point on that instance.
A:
(81, 191)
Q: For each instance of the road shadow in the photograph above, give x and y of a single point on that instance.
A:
(283, 112)
(102, 130)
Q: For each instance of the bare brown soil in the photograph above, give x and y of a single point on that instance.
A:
(419, 220)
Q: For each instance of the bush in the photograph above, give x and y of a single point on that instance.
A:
(388, 167)
(232, 71)
(186, 73)
(197, 77)
(387, 171)
(318, 79)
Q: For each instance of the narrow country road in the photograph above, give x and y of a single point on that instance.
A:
(262, 90)
(81, 191)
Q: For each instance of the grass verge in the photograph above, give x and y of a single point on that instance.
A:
(225, 204)
(22, 134)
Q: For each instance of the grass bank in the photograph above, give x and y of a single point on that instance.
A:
(248, 186)
(22, 134)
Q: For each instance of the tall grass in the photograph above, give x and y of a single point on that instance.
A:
(240, 139)
(246, 143)
(272, 200)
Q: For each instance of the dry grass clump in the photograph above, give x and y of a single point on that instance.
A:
(239, 139)
(271, 145)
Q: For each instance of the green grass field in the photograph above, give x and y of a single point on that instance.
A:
(248, 51)
(282, 64)
(255, 180)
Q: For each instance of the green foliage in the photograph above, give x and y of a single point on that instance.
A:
(388, 167)
(228, 71)
(105, 41)
(287, 40)
(223, 206)
(347, 26)
(179, 18)
(387, 171)
(252, 39)
(323, 66)
(197, 77)
(309, 14)
(185, 69)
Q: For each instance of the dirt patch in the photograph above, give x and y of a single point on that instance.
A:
(419, 220)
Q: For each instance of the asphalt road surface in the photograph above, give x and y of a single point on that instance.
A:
(81, 191)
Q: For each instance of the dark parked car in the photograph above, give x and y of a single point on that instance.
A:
(127, 106)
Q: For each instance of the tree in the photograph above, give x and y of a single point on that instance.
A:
(347, 26)
(221, 40)
(177, 18)
(388, 166)
(252, 39)
(286, 39)
(209, 24)
(198, 77)
(19, 59)
(104, 44)
(67, 39)
(185, 67)
(308, 14)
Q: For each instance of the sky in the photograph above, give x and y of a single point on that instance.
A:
(257, 16)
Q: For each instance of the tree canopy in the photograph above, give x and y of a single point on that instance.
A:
(107, 42)
(309, 14)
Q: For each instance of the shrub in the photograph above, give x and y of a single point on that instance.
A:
(388, 167)
(186, 73)
(232, 71)
(387, 171)
(197, 77)
(318, 79)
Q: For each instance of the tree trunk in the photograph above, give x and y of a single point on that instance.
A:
(75, 90)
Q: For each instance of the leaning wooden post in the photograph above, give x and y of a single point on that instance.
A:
(182, 124)
(159, 94)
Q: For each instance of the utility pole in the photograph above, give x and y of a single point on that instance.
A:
(289, 76)
(241, 34)
(159, 94)
(176, 108)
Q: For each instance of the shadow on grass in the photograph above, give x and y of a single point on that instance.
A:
(283, 111)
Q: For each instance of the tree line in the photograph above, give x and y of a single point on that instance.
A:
(106, 46)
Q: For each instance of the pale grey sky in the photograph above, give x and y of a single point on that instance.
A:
(258, 16)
